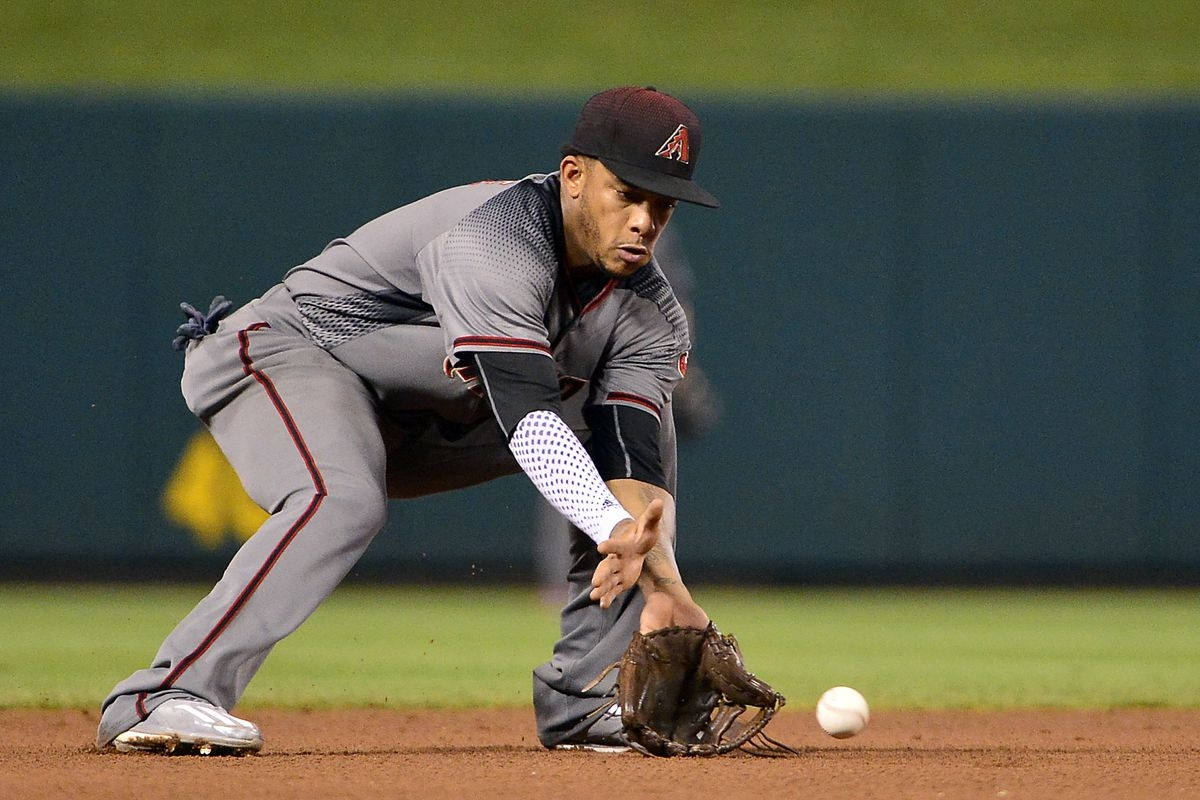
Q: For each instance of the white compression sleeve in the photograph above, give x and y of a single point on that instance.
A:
(554, 459)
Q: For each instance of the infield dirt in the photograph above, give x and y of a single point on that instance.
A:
(493, 753)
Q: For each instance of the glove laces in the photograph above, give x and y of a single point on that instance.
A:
(199, 325)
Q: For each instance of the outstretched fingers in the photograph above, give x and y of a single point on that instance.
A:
(606, 582)
(626, 550)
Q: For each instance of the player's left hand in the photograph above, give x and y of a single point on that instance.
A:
(672, 610)
(626, 549)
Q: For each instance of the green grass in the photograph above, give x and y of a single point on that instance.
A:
(490, 46)
(405, 647)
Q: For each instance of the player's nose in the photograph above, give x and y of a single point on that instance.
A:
(641, 219)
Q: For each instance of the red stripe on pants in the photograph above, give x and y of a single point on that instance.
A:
(319, 494)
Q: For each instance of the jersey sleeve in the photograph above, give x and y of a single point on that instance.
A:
(515, 385)
(624, 443)
(490, 277)
(647, 352)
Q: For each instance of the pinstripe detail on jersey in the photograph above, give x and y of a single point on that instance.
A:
(633, 400)
(319, 494)
(499, 343)
(621, 443)
(487, 390)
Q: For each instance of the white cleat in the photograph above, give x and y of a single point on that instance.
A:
(595, 747)
(190, 727)
(604, 735)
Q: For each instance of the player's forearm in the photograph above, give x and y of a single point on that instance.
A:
(555, 460)
(522, 390)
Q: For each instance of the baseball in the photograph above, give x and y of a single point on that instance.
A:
(842, 712)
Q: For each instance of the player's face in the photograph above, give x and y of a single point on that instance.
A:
(617, 225)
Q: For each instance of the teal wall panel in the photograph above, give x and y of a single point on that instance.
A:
(955, 340)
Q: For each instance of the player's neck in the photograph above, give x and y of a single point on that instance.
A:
(578, 262)
(586, 271)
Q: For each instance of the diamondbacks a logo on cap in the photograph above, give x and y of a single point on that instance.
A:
(676, 146)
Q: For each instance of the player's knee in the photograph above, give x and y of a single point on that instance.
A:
(359, 507)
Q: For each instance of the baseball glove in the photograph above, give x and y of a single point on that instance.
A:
(686, 692)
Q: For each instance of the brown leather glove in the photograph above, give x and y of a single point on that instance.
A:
(686, 692)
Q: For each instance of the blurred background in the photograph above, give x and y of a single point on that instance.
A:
(950, 304)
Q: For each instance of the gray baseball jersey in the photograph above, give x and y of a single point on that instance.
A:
(353, 381)
(483, 262)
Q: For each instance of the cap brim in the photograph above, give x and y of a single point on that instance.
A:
(657, 182)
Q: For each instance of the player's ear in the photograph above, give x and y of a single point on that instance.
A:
(572, 170)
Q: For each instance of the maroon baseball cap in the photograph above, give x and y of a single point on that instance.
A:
(646, 138)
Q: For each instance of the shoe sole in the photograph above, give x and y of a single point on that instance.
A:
(171, 744)
(595, 748)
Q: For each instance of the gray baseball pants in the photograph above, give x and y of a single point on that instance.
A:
(304, 435)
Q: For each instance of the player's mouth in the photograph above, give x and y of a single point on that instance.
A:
(633, 253)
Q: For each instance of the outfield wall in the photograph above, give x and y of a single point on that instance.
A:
(955, 339)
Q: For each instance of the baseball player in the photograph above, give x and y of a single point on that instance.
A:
(697, 408)
(477, 332)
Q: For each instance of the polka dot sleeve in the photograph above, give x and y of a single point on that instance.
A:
(554, 459)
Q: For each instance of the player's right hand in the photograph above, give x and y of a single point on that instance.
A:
(626, 550)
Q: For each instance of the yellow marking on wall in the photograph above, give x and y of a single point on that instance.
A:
(205, 496)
